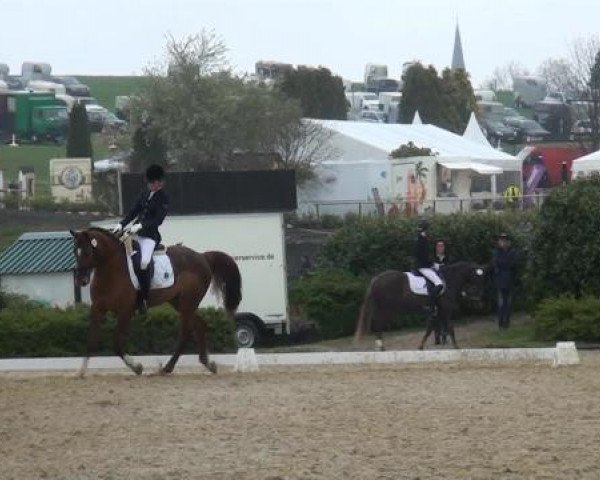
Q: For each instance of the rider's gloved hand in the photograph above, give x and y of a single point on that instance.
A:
(136, 227)
(118, 228)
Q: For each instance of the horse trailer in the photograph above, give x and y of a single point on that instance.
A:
(257, 243)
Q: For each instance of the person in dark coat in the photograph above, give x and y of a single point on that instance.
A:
(440, 255)
(147, 214)
(505, 265)
(440, 258)
(424, 264)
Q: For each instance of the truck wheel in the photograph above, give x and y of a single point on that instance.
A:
(246, 334)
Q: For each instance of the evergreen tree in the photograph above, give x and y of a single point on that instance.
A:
(320, 93)
(79, 142)
(148, 149)
(445, 101)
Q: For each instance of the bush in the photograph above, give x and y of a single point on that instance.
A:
(568, 318)
(371, 245)
(30, 329)
(330, 298)
(565, 252)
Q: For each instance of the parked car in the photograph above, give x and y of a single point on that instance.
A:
(371, 116)
(496, 130)
(528, 130)
(73, 86)
(100, 118)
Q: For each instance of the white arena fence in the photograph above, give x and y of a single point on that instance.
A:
(565, 353)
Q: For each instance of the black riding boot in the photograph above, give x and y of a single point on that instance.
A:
(144, 278)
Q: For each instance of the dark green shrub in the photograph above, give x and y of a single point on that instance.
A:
(372, 245)
(330, 298)
(565, 251)
(29, 329)
(568, 318)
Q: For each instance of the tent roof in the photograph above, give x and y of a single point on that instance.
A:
(389, 136)
(473, 132)
(480, 168)
(587, 162)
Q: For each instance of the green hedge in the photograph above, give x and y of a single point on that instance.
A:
(565, 251)
(29, 329)
(330, 298)
(372, 245)
(568, 318)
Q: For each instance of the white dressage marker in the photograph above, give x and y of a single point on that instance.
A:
(245, 361)
(566, 354)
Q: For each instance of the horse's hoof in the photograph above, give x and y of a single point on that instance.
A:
(212, 367)
(138, 369)
(420, 347)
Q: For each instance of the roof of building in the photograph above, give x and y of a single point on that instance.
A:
(39, 252)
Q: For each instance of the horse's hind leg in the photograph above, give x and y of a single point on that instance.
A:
(120, 339)
(200, 330)
(427, 333)
(184, 335)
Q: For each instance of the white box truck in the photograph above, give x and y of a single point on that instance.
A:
(257, 243)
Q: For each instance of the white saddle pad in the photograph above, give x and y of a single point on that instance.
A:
(163, 272)
(417, 284)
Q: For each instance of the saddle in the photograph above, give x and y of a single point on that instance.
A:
(419, 284)
(160, 268)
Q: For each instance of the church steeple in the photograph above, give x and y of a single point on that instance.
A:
(457, 55)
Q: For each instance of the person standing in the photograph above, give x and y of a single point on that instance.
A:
(505, 264)
(147, 214)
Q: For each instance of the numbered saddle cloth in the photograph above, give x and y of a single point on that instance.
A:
(163, 276)
(418, 284)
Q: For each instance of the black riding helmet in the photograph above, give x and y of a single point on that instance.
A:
(154, 173)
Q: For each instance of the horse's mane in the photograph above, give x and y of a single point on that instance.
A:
(107, 233)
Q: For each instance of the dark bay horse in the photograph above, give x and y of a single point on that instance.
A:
(111, 290)
(389, 294)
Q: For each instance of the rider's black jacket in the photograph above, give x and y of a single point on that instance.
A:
(150, 211)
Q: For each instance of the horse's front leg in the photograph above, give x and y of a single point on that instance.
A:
(96, 316)
(184, 336)
(430, 327)
(120, 340)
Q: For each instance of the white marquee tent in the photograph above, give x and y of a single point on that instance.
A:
(362, 170)
(585, 165)
(474, 133)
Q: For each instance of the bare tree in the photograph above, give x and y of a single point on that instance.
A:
(303, 145)
(559, 76)
(585, 60)
(502, 77)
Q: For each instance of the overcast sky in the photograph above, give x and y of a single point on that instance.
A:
(121, 37)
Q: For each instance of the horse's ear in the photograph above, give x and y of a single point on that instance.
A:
(72, 232)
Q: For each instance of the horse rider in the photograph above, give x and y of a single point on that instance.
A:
(147, 214)
(440, 256)
(424, 264)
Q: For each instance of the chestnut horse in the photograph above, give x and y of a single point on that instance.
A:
(389, 295)
(111, 290)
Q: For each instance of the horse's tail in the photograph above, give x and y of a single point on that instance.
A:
(363, 325)
(226, 278)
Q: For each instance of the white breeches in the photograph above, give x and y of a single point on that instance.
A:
(430, 275)
(147, 249)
